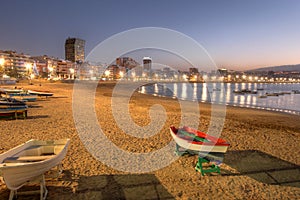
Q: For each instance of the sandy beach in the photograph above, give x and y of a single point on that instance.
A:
(263, 160)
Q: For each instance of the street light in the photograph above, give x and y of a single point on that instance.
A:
(107, 73)
(195, 77)
(50, 70)
(2, 61)
(72, 71)
(133, 75)
(28, 67)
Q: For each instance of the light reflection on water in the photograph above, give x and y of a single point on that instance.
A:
(223, 93)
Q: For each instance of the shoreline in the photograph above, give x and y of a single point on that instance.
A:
(257, 107)
(286, 111)
(262, 162)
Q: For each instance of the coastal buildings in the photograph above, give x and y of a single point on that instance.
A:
(74, 50)
(194, 74)
(49, 67)
(22, 66)
(15, 65)
(65, 69)
(46, 66)
(125, 66)
(127, 62)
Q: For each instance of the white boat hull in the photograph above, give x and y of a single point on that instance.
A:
(16, 170)
(196, 147)
(45, 94)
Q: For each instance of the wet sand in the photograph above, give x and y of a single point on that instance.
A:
(263, 161)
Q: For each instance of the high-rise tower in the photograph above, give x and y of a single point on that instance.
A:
(74, 50)
(147, 62)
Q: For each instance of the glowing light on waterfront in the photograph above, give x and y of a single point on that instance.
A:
(2, 61)
(184, 91)
(72, 71)
(204, 96)
(229, 77)
(143, 89)
(133, 74)
(156, 89)
(195, 90)
(28, 66)
(175, 90)
(121, 74)
(107, 72)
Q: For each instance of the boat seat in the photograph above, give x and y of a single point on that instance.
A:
(26, 159)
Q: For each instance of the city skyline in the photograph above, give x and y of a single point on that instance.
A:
(238, 35)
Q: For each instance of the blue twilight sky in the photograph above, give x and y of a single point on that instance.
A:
(238, 34)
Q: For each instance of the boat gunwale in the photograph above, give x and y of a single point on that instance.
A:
(26, 145)
(212, 143)
(40, 93)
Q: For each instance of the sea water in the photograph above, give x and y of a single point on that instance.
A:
(222, 93)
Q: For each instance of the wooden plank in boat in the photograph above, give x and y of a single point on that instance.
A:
(27, 159)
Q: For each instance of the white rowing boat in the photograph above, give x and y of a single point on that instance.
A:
(195, 140)
(40, 93)
(30, 161)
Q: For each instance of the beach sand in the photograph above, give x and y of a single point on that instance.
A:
(262, 162)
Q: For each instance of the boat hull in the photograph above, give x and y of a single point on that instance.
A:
(23, 97)
(7, 91)
(11, 103)
(216, 145)
(18, 172)
(13, 114)
(40, 93)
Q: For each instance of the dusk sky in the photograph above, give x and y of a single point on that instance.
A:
(238, 34)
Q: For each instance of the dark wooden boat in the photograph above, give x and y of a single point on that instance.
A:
(11, 103)
(13, 114)
(23, 96)
(11, 108)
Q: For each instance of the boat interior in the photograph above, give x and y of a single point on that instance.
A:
(35, 153)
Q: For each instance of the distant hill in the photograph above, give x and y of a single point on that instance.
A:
(279, 68)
